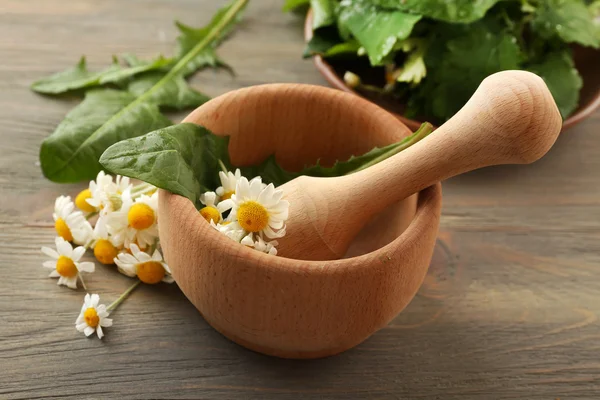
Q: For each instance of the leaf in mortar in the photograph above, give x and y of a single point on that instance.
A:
(71, 153)
(181, 158)
(558, 71)
(376, 29)
(570, 20)
(447, 10)
(184, 159)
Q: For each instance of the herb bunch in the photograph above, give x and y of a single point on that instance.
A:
(432, 54)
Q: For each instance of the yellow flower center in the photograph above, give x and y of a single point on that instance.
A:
(63, 230)
(105, 252)
(82, 204)
(140, 216)
(252, 216)
(227, 195)
(210, 214)
(91, 317)
(66, 267)
(150, 272)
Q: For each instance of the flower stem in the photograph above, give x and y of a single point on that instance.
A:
(223, 167)
(126, 293)
(82, 282)
(425, 129)
(141, 189)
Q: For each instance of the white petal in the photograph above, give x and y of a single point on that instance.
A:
(78, 253)
(225, 205)
(248, 241)
(95, 299)
(54, 274)
(106, 322)
(265, 196)
(127, 258)
(50, 252)
(87, 300)
(157, 256)
(64, 247)
(144, 257)
(99, 332)
(168, 279)
(88, 330)
(49, 264)
(86, 266)
(81, 326)
(71, 283)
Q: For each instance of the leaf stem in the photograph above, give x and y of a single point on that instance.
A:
(126, 293)
(425, 129)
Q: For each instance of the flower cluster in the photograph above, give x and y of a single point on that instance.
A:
(125, 233)
(249, 212)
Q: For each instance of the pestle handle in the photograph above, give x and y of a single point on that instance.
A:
(510, 119)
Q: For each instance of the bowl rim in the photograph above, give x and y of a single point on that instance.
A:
(334, 80)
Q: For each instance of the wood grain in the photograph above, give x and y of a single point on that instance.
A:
(508, 311)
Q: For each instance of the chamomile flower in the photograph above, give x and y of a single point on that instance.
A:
(230, 230)
(259, 209)
(93, 316)
(136, 221)
(260, 244)
(229, 181)
(213, 209)
(65, 263)
(105, 246)
(105, 195)
(69, 224)
(149, 269)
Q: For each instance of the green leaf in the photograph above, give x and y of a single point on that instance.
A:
(176, 93)
(570, 20)
(558, 71)
(291, 5)
(71, 153)
(323, 13)
(79, 77)
(457, 67)
(376, 29)
(184, 159)
(444, 10)
(189, 37)
(321, 41)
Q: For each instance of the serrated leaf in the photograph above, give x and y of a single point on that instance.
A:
(570, 20)
(71, 152)
(175, 93)
(558, 71)
(184, 159)
(462, 11)
(376, 29)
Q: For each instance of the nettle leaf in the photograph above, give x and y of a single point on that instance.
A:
(323, 13)
(71, 153)
(447, 10)
(376, 29)
(456, 68)
(77, 143)
(571, 20)
(184, 159)
(291, 5)
(558, 71)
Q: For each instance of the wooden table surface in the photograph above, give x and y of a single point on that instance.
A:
(509, 309)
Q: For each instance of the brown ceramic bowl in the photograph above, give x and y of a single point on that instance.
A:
(587, 62)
